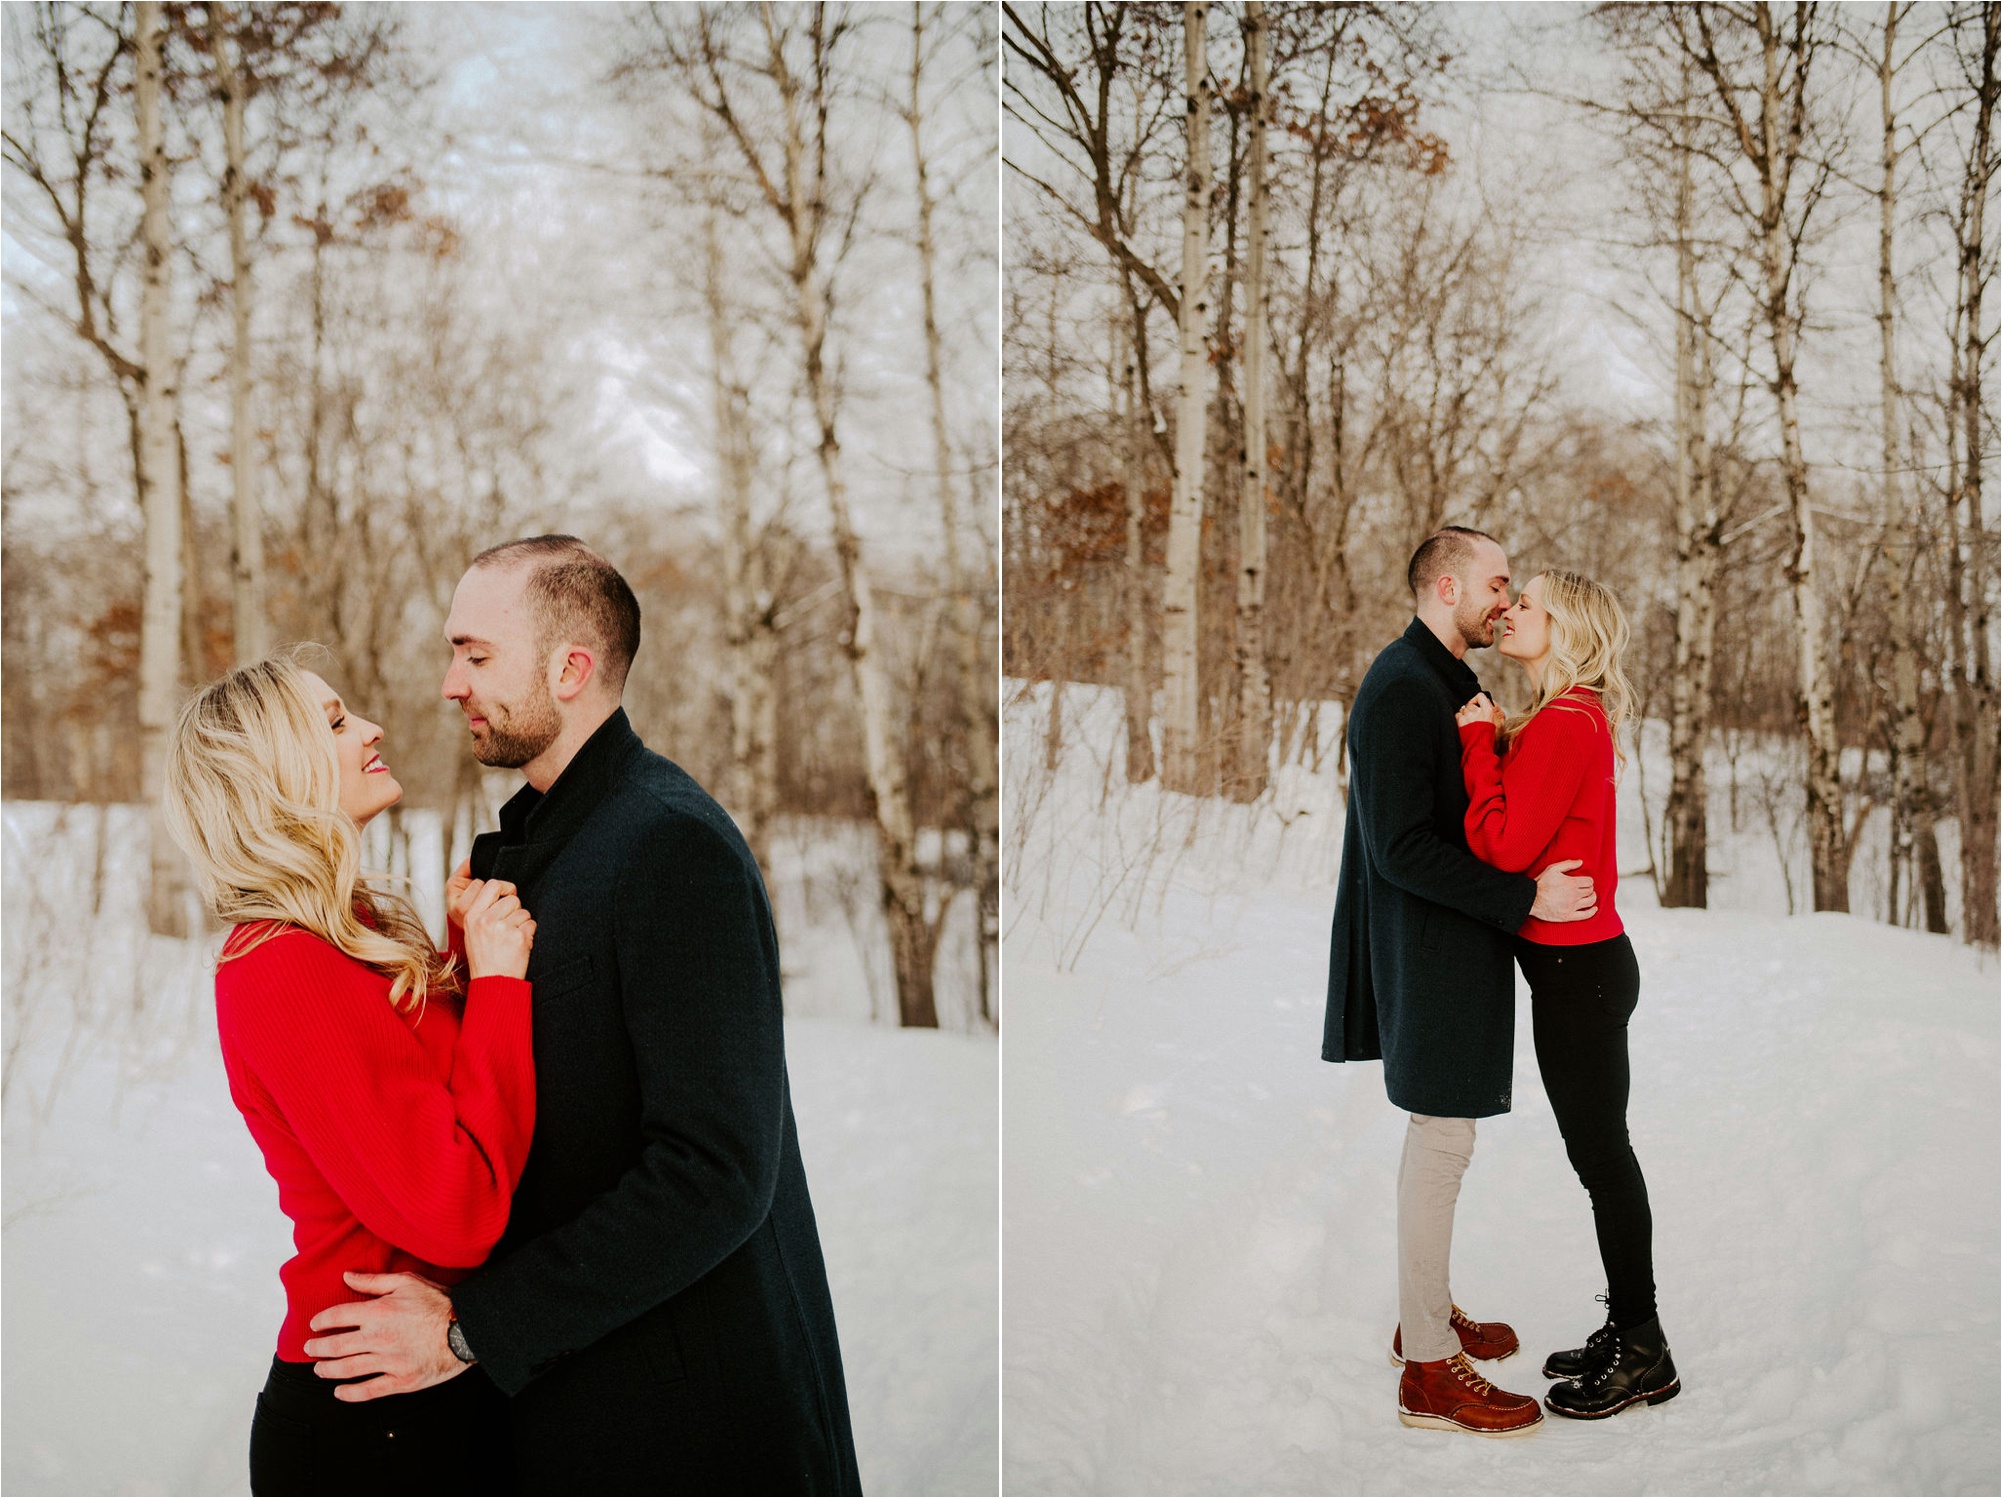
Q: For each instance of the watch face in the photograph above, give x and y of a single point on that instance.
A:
(455, 1338)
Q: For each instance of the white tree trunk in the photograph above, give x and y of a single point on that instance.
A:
(1910, 806)
(1827, 835)
(977, 687)
(1127, 327)
(1182, 759)
(749, 635)
(247, 551)
(1686, 820)
(159, 481)
(913, 931)
(1254, 738)
(1979, 763)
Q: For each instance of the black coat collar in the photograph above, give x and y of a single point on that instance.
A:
(1456, 673)
(535, 825)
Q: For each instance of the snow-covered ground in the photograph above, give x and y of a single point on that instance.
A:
(1199, 1286)
(142, 1237)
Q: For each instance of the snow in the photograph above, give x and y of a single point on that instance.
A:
(1200, 1221)
(142, 1235)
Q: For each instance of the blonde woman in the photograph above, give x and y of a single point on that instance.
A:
(1541, 788)
(393, 1101)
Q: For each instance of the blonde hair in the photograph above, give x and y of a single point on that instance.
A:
(252, 795)
(1588, 636)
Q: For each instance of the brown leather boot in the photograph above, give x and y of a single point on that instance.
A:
(1490, 1341)
(1449, 1395)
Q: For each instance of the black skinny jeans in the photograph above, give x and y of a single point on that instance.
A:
(449, 1438)
(1581, 999)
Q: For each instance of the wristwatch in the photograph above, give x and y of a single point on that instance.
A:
(455, 1338)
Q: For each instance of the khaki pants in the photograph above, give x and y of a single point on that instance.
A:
(1436, 1152)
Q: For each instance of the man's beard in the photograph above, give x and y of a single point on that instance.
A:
(514, 737)
(1476, 626)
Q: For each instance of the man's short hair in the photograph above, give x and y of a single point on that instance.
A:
(1448, 550)
(576, 594)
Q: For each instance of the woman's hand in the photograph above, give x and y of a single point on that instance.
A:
(499, 933)
(1480, 710)
(459, 892)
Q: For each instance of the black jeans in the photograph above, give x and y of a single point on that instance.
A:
(1581, 999)
(450, 1438)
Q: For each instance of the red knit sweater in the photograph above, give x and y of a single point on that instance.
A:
(396, 1140)
(1548, 798)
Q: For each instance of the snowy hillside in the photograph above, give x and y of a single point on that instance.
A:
(1200, 1213)
(142, 1236)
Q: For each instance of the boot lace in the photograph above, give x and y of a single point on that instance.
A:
(1464, 1370)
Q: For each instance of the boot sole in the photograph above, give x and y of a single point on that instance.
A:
(1440, 1422)
(1659, 1396)
(1499, 1357)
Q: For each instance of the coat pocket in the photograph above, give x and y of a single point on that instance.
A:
(1432, 932)
(562, 978)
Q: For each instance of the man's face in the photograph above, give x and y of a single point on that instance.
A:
(498, 675)
(1483, 595)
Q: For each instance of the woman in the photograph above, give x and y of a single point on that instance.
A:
(392, 1100)
(1540, 788)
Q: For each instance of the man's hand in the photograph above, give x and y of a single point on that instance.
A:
(1560, 896)
(459, 892)
(400, 1334)
(1480, 709)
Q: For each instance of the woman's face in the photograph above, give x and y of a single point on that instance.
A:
(367, 787)
(1525, 629)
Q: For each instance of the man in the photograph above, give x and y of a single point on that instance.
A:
(1421, 974)
(658, 1307)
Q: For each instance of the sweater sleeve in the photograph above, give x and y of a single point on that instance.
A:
(1515, 806)
(699, 988)
(426, 1163)
(1394, 757)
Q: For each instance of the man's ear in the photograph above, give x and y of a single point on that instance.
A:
(579, 669)
(1446, 588)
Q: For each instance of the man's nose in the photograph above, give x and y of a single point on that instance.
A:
(454, 689)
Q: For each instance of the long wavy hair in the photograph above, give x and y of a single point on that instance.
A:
(252, 795)
(1588, 638)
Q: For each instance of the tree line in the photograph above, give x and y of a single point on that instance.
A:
(281, 364)
(1366, 344)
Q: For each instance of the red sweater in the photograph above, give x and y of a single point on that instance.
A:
(396, 1140)
(1549, 798)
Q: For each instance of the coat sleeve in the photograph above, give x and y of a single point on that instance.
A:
(1394, 754)
(699, 985)
(1515, 805)
(426, 1163)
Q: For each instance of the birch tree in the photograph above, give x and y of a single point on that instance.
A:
(786, 151)
(1911, 800)
(1970, 544)
(73, 144)
(1182, 760)
(1760, 67)
(750, 605)
(247, 519)
(976, 685)
(159, 474)
(1254, 726)
(1129, 322)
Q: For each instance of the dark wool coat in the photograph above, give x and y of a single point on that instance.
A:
(1420, 973)
(658, 1308)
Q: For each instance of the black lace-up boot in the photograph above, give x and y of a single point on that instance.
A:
(1639, 1369)
(1575, 1362)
